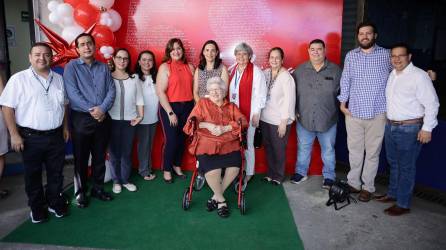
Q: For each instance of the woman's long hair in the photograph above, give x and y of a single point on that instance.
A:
(202, 64)
(169, 48)
(153, 71)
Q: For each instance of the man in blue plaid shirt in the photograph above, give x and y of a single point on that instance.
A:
(363, 102)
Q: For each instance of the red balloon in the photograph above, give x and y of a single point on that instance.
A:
(103, 36)
(75, 3)
(85, 15)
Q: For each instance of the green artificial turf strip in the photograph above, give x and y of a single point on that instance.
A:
(152, 218)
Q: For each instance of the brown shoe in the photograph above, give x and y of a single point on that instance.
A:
(389, 208)
(386, 199)
(354, 190)
(364, 196)
(396, 211)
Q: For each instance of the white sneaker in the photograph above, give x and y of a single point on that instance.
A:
(117, 188)
(130, 187)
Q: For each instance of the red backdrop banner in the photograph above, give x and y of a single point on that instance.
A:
(263, 24)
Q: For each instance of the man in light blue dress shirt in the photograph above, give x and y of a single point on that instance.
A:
(91, 92)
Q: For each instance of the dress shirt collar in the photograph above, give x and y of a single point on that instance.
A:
(309, 65)
(31, 73)
(375, 48)
(406, 70)
(80, 61)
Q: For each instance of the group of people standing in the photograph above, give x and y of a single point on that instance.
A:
(107, 109)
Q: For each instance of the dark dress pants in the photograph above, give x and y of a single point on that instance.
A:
(275, 149)
(89, 137)
(43, 150)
(174, 137)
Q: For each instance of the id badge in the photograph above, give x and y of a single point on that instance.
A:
(234, 97)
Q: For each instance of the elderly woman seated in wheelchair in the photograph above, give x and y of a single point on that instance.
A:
(216, 126)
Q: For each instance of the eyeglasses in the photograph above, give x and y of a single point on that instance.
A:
(124, 59)
(398, 56)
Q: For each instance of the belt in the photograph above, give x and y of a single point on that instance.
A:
(31, 131)
(405, 122)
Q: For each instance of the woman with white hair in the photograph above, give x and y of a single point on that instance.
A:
(247, 90)
(216, 141)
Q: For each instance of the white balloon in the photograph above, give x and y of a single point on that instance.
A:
(117, 20)
(102, 3)
(54, 18)
(103, 49)
(52, 5)
(68, 21)
(110, 50)
(64, 9)
(71, 32)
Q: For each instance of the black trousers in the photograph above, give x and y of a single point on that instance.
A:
(174, 137)
(89, 137)
(275, 149)
(43, 150)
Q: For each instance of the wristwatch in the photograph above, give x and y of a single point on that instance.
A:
(171, 113)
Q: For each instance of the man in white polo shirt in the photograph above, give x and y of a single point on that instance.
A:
(412, 108)
(34, 110)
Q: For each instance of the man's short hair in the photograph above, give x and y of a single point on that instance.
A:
(401, 45)
(76, 41)
(319, 41)
(41, 44)
(366, 24)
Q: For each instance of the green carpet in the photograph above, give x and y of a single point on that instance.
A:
(152, 218)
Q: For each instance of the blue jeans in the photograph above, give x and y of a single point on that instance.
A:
(305, 141)
(402, 150)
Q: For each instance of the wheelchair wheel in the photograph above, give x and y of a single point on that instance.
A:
(242, 205)
(186, 202)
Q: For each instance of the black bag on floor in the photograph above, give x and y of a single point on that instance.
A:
(339, 193)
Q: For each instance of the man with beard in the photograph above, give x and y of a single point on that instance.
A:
(363, 85)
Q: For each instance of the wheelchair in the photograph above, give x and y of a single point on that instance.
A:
(196, 184)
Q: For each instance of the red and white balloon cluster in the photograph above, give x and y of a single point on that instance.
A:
(75, 16)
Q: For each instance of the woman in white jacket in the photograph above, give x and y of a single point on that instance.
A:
(247, 89)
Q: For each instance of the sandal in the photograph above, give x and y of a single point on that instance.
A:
(223, 211)
(149, 177)
(267, 179)
(211, 205)
(276, 182)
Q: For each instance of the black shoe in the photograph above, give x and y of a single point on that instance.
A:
(59, 211)
(81, 200)
(100, 194)
(168, 181)
(211, 205)
(181, 176)
(38, 215)
(327, 183)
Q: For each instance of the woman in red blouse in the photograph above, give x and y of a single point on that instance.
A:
(216, 142)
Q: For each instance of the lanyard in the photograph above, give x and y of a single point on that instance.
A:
(237, 78)
(41, 83)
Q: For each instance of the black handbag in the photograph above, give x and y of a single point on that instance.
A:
(258, 138)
